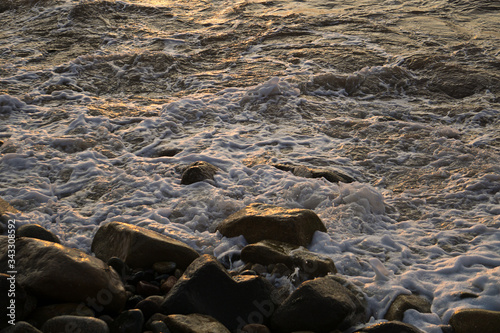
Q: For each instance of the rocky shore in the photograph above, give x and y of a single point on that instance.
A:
(138, 280)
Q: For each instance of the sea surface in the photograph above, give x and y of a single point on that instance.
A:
(103, 102)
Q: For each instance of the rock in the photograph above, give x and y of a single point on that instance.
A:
(75, 324)
(390, 327)
(405, 302)
(255, 328)
(38, 232)
(21, 327)
(148, 308)
(166, 152)
(118, 265)
(10, 290)
(168, 284)
(158, 327)
(207, 288)
(139, 247)
(86, 279)
(319, 305)
(130, 321)
(43, 313)
(164, 267)
(194, 323)
(146, 289)
(6, 209)
(197, 172)
(475, 320)
(273, 252)
(258, 222)
(333, 176)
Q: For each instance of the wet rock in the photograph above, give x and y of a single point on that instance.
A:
(164, 267)
(319, 305)
(207, 288)
(273, 252)
(194, 323)
(21, 327)
(166, 152)
(130, 321)
(139, 247)
(6, 209)
(43, 313)
(405, 302)
(390, 327)
(38, 232)
(258, 222)
(148, 308)
(25, 303)
(197, 172)
(255, 328)
(168, 284)
(333, 176)
(146, 289)
(158, 327)
(75, 324)
(475, 320)
(86, 279)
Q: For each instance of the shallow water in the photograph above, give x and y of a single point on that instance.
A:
(95, 97)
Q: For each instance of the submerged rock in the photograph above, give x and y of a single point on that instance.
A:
(197, 172)
(194, 323)
(53, 272)
(390, 327)
(475, 320)
(139, 247)
(38, 232)
(207, 288)
(258, 222)
(405, 302)
(273, 252)
(320, 305)
(333, 176)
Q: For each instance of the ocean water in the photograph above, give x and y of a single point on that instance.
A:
(103, 102)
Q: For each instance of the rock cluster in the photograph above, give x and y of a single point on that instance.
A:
(142, 281)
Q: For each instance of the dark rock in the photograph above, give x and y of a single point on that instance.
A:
(75, 324)
(130, 321)
(139, 247)
(475, 320)
(156, 317)
(21, 327)
(207, 288)
(405, 302)
(258, 222)
(86, 279)
(6, 209)
(146, 289)
(133, 301)
(168, 284)
(319, 305)
(166, 152)
(158, 327)
(118, 265)
(255, 328)
(25, 303)
(259, 268)
(333, 176)
(38, 232)
(273, 252)
(194, 323)
(43, 313)
(390, 327)
(164, 267)
(197, 172)
(148, 308)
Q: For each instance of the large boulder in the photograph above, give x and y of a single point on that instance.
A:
(258, 222)
(405, 302)
(139, 247)
(53, 272)
(475, 320)
(319, 305)
(197, 172)
(207, 288)
(194, 323)
(273, 252)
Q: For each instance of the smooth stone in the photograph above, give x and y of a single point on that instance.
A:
(476, 321)
(319, 305)
(148, 308)
(158, 327)
(133, 301)
(44, 313)
(75, 324)
(54, 272)
(273, 252)
(21, 327)
(257, 222)
(164, 267)
(390, 327)
(168, 284)
(130, 321)
(333, 176)
(194, 323)
(146, 289)
(197, 172)
(139, 247)
(402, 303)
(38, 232)
(255, 328)
(207, 288)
